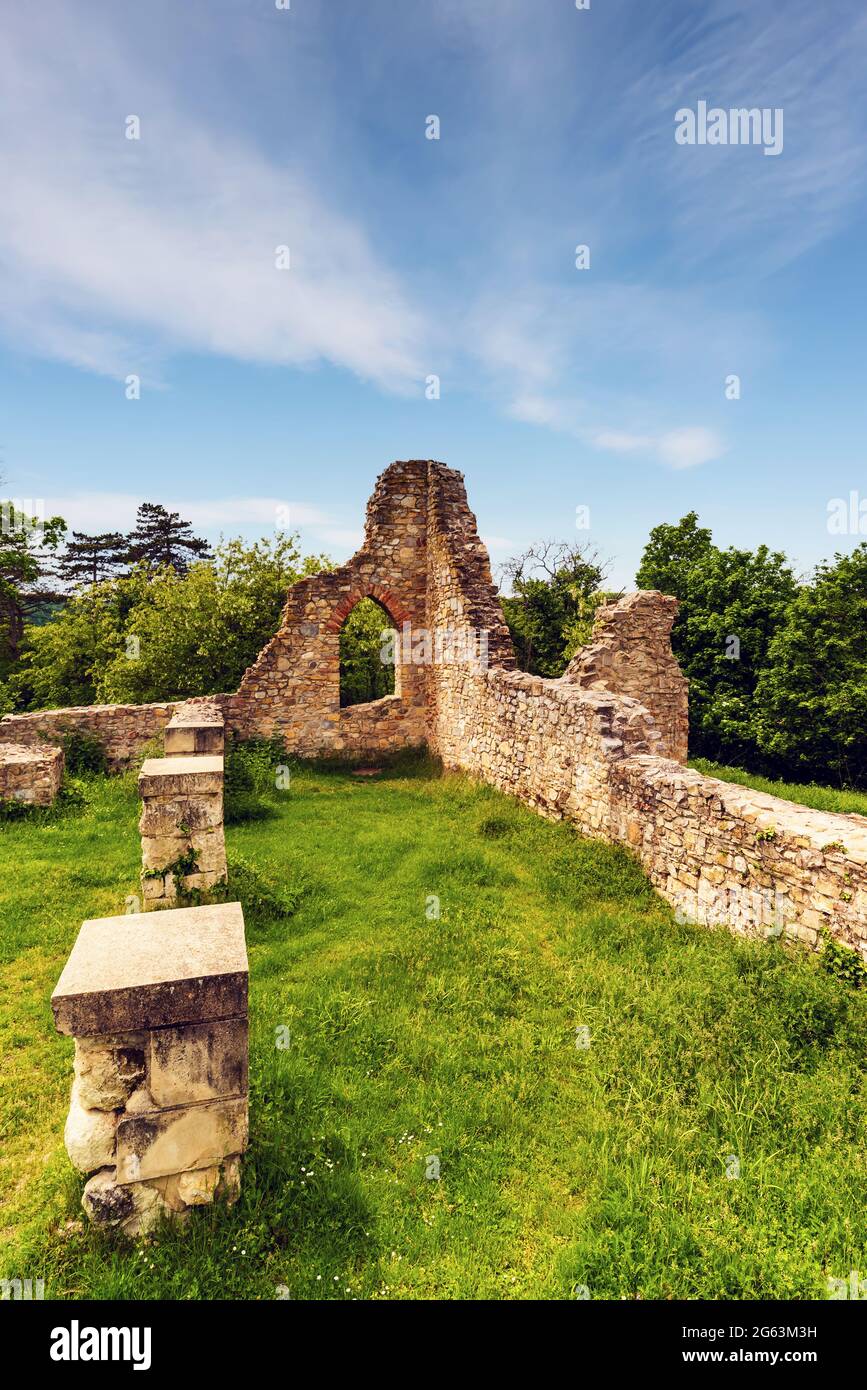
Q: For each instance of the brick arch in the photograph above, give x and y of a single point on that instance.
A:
(398, 613)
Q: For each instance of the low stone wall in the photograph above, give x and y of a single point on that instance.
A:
(724, 853)
(603, 746)
(32, 775)
(546, 742)
(181, 825)
(123, 730)
(158, 1010)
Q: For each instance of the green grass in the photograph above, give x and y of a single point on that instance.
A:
(805, 794)
(412, 1036)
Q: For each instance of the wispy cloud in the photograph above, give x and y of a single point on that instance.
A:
(115, 251)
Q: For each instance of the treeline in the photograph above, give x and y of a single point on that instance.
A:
(777, 665)
(154, 615)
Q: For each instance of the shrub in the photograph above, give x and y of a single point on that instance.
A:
(83, 752)
(250, 767)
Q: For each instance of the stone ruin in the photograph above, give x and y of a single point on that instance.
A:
(157, 1001)
(157, 1005)
(604, 746)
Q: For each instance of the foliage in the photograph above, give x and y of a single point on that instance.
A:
(364, 676)
(83, 751)
(732, 602)
(811, 700)
(162, 635)
(89, 559)
(27, 546)
(556, 589)
(250, 767)
(162, 540)
(843, 962)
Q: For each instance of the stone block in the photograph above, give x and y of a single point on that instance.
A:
(89, 1135)
(181, 776)
(164, 1142)
(154, 970)
(108, 1069)
(135, 1208)
(183, 739)
(199, 1062)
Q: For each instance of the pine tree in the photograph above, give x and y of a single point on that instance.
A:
(162, 538)
(89, 559)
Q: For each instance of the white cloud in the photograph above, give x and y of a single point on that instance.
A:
(114, 252)
(681, 448)
(686, 448)
(620, 442)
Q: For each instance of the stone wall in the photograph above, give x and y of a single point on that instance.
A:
(293, 688)
(603, 745)
(32, 775)
(721, 853)
(158, 1112)
(630, 652)
(123, 730)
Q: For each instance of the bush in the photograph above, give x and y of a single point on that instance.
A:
(250, 778)
(83, 752)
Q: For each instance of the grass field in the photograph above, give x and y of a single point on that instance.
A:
(611, 1166)
(804, 793)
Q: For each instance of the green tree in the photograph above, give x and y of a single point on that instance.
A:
(89, 559)
(160, 635)
(364, 676)
(556, 589)
(811, 700)
(161, 538)
(27, 546)
(732, 602)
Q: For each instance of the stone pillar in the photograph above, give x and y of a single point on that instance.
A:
(158, 1010)
(183, 846)
(195, 728)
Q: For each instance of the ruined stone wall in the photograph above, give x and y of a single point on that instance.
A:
(293, 688)
(32, 775)
(603, 746)
(630, 651)
(123, 730)
(724, 853)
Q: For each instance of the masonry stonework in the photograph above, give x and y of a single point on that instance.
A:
(158, 1113)
(603, 746)
(30, 774)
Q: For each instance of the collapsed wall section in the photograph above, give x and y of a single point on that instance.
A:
(123, 730)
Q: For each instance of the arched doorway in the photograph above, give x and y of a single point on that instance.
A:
(368, 670)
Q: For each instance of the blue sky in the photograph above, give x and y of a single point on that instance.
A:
(412, 257)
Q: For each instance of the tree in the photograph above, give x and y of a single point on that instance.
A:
(811, 699)
(556, 589)
(162, 538)
(364, 676)
(89, 559)
(732, 602)
(161, 635)
(26, 549)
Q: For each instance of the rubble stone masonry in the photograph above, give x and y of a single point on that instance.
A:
(603, 746)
